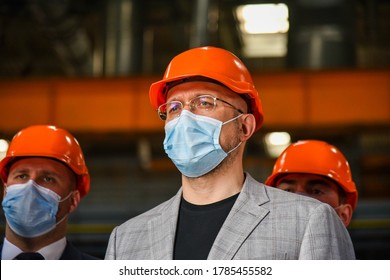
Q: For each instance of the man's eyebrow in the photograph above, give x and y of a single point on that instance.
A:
(27, 170)
(51, 173)
(287, 180)
(319, 182)
(19, 170)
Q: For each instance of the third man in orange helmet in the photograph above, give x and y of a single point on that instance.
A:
(319, 170)
(211, 108)
(44, 176)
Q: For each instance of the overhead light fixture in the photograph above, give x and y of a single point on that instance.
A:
(276, 143)
(263, 18)
(264, 29)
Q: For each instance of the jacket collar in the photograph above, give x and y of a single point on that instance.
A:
(246, 214)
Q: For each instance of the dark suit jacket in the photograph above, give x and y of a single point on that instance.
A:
(70, 253)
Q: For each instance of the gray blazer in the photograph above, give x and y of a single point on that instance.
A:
(264, 223)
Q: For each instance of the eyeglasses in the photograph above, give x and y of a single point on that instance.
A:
(201, 105)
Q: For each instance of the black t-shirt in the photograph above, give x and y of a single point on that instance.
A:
(198, 226)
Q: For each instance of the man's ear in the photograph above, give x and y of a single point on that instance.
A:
(345, 213)
(74, 200)
(248, 126)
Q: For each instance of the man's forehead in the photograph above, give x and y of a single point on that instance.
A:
(191, 87)
(304, 177)
(41, 164)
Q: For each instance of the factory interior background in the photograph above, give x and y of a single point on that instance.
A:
(322, 69)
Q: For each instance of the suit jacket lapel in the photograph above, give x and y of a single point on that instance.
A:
(245, 215)
(163, 230)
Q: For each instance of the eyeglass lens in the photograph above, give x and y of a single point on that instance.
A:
(173, 109)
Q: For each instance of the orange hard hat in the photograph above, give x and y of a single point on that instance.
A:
(316, 157)
(52, 142)
(213, 63)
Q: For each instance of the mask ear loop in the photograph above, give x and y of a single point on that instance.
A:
(67, 214)
(66, 197)
(239, 144)
(63, 218)
(232, 119)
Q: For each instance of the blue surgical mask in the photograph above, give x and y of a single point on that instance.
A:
(31, 209)
(192, 143)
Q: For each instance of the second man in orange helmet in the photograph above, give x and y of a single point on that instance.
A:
(319, 170)
(44, 176)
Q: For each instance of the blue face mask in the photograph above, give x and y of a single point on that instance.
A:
(192, 143)
(31, 209)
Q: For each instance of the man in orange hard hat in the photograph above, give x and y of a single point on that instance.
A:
(211, 108)
(44, 176)
(319, 170)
